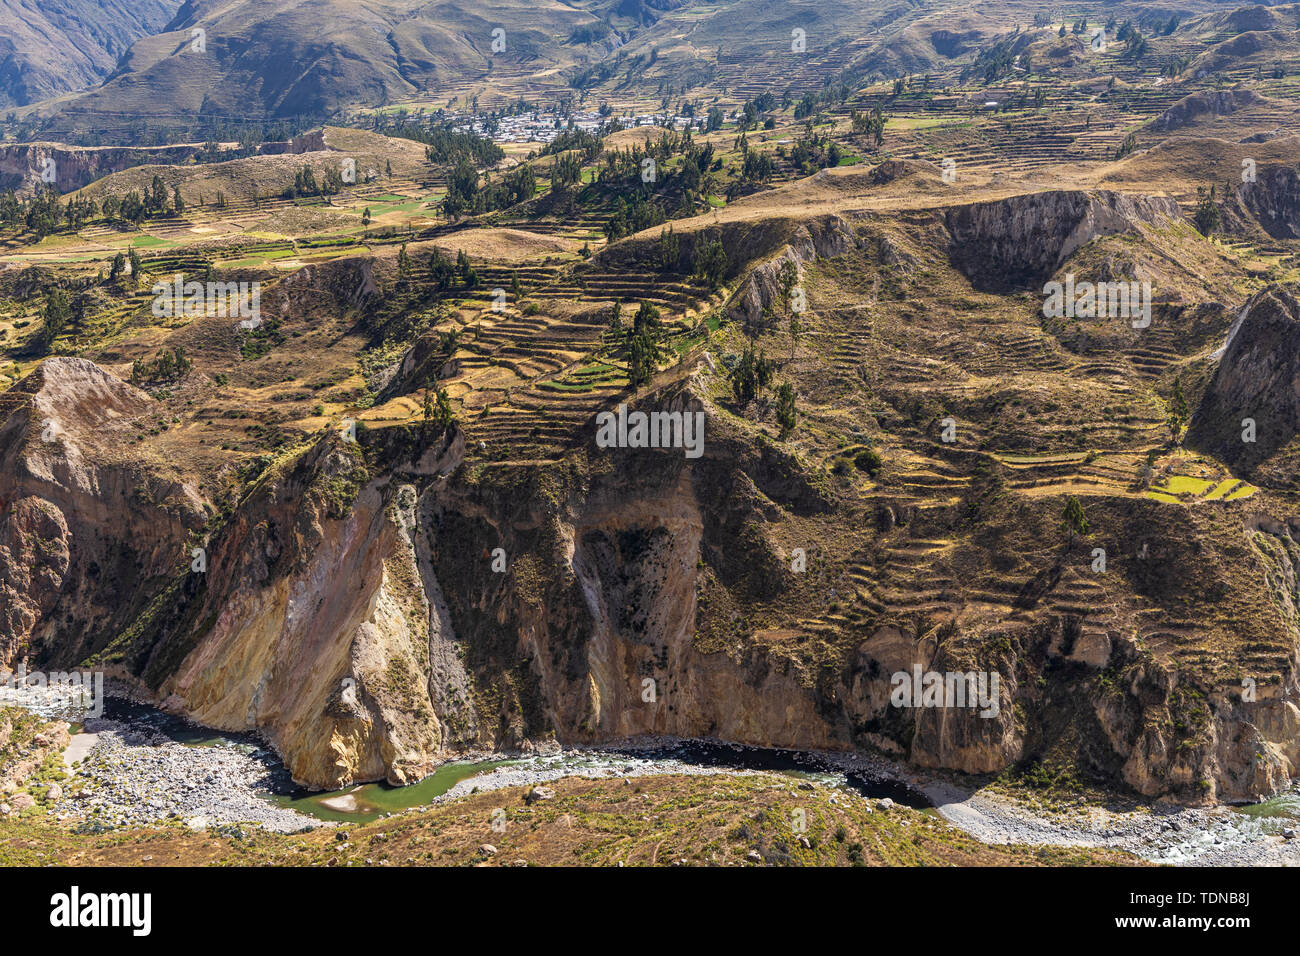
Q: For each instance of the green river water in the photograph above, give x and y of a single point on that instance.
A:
(368, 801)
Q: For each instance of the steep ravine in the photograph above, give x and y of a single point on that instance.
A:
(379, 606)
(351, 612)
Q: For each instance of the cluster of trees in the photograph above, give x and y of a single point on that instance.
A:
(462, 189)
(43, 213)
(869, 124)
(442, 272)
(706, 260)
(135, 206)
(633, 216)
(566, 171)
(641, 344)
(1207, 217)
(812, 152)
(709, 263)
(120, 263)
(681, 168)
(758, 166)
(752, 375)
(55, 316)
(622, 168)
(437, 412)
(1129, 145)
(997, 61)
(833, 94)
(167, 366)
(305, 184)
(1135, 43)
(589, 144)
(470, 194)
(446, 146)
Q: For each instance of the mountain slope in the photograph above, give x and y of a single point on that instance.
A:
(53, 47)
(290, 57)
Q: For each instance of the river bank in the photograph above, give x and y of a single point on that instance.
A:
(136, 766)
(1178, 836)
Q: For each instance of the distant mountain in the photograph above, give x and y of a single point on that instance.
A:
(268, 58)
(52, 47)
(280, 59)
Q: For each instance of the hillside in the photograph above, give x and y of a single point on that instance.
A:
(652, 383)
(64, 46)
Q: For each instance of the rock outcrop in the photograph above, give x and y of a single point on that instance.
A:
(84, 526)
(1212, 103)
(23, 165)
(1250, 413)
(1273, 200)
(819, 239)
(1021, 241)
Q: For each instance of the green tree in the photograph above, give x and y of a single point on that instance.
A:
(55, 316)
(1073, 520)
(751, 375)
(1179, 413)
(787, 278)
(785, 411)
(645, 349)
(1207, 216)
(710, 263)
(616, 331)
(437, 412)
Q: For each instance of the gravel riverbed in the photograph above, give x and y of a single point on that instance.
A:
(128, 772)
(135, 776)
(1181, 836)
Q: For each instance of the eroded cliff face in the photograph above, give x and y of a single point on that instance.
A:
(318, 628)
(85, 527)
(1248, 415)
(822, 238)
(26, 166)
(1019, 242)
(377, 607)
(1272, 200)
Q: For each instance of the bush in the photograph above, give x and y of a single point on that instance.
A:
(868, 460)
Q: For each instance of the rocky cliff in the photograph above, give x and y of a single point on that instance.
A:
(23, 165)
(1019, 242)
(1257, 379)
(86, 528)
(376, 605)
